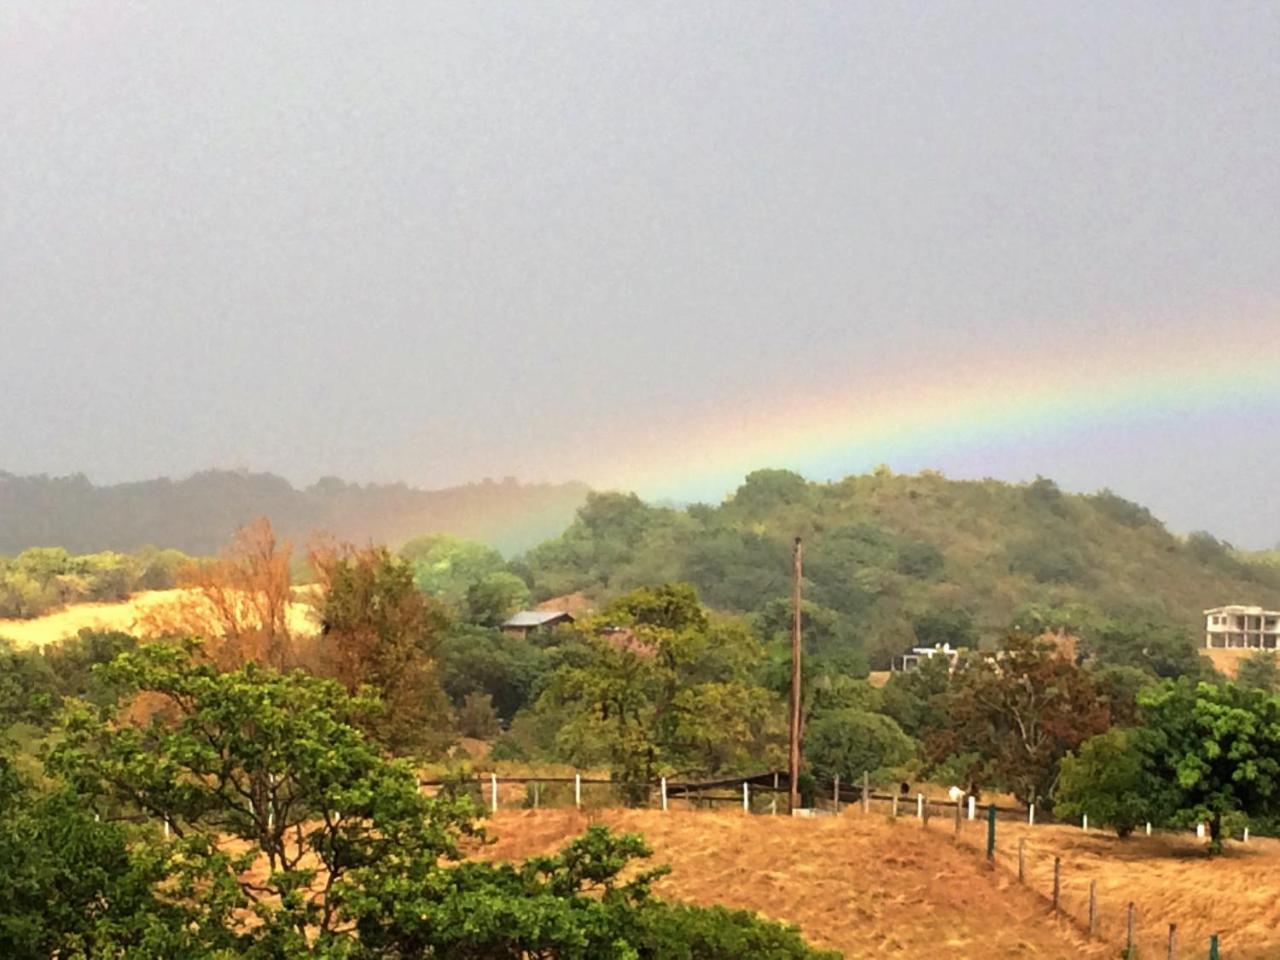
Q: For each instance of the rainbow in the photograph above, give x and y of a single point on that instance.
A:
(965, 401)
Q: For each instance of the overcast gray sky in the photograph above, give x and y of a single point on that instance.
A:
(435, 242)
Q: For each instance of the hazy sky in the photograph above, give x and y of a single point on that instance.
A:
(435, 242)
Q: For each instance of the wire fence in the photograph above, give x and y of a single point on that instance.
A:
(1005, 835)
(1073, 891)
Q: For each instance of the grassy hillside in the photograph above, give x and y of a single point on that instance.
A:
(922, 893)
(200, 513)
(868, 887)
(893, 559)
(127, 616)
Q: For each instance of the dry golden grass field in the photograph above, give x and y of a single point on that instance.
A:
(1169, 879)
(865, 886)
(873, 887)
(125, 615)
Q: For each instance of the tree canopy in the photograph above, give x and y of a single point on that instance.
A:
(1218, 748)
(660, 685)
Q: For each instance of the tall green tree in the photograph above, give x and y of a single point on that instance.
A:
(1163, 649)
(446, 567)
(494, 597)
(511, 671)
(665, 686)
(72, 885)
(277, 763)
(914, 698)
(1218, 747)
(1108, 780)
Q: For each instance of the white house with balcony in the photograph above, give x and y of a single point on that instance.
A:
(1239, 627)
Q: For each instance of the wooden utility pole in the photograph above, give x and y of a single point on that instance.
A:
(793, 758)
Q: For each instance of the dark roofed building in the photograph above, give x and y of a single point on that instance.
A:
(527, 621)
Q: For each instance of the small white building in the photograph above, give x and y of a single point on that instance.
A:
(912, 659)
(1241, 627)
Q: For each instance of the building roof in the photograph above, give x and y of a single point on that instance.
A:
(538, 618)
(1238, 608)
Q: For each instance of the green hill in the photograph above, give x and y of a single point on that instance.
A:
(892, 560)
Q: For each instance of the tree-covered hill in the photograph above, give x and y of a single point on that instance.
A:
(891, 560)
(200, 514)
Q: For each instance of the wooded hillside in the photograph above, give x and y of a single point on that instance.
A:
(891, 559)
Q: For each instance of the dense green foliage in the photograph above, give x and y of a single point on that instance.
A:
(72, 886)
(915, 699)
(1204, 752)
(41, 579)
(1109, 781)
(510, 671)
(657, 684)
(891, 561)
(33, 682)
(573, 906)
(1217, 747)
(847, 743)
(446, 567)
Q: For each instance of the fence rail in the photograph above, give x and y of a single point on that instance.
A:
(1067, 888)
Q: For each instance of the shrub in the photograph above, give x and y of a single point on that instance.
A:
(848, 742)
(1108, 780)
(477, 718)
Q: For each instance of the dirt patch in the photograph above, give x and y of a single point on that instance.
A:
(1227, 661)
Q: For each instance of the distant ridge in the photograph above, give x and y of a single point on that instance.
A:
(199, 514)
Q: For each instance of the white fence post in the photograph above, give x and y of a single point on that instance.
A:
(1031, 815)
(1148, 828)
(1084, 823)
(1199, 831)
(972, 801)
(577, 790)
(835, 792)
(746, 797)
(664, 794)
(919, 806)
(166, 829)
(1246, 834)
(493, 792)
